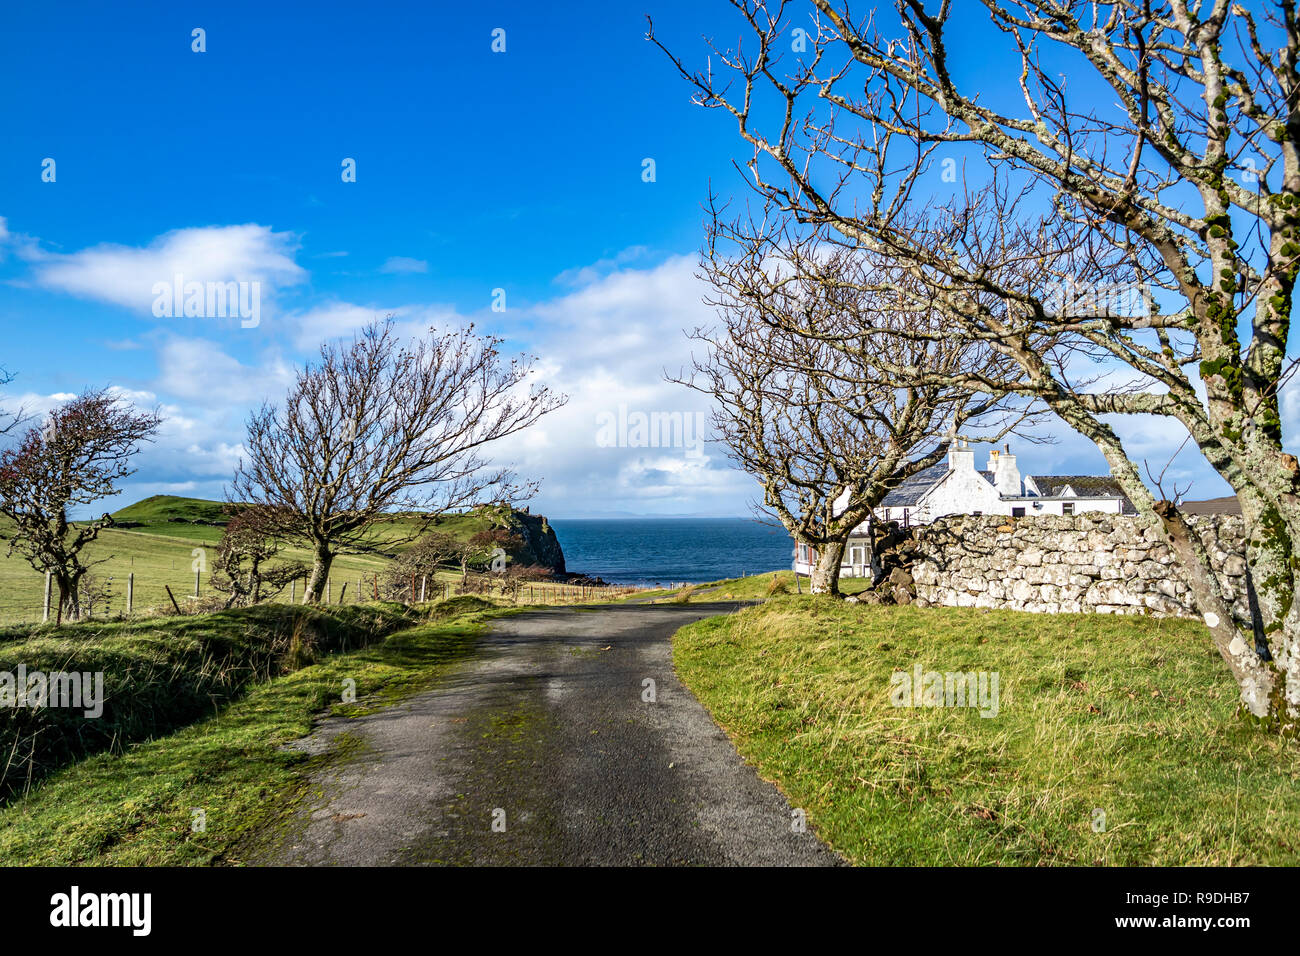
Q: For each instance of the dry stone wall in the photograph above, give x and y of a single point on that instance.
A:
(1106, 564)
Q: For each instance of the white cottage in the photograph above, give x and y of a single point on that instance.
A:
(956, 487)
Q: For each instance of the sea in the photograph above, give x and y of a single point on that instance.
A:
(646, 552)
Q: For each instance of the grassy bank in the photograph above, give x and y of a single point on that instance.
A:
(1132, 717)
(159, 674)
(754, 587)
(139, 807)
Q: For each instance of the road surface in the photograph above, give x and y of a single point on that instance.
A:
(544, 750)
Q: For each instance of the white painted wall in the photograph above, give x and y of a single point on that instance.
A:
(963, 492)
(1052, 506)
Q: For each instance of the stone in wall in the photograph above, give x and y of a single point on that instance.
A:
(1102, 563)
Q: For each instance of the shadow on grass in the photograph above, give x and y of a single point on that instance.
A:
(215, 791)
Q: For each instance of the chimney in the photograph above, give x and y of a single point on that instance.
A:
(1006, 476)
(960, 456)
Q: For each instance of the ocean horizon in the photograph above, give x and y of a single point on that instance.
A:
(646, 552)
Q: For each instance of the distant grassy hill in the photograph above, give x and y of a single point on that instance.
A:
(161, 538)
(201, 519)
(167, 509)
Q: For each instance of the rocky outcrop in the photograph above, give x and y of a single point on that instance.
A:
(1106, 564)
(541, 546)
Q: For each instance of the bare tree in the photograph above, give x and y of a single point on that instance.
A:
(425, 558)
(76, 459)
(813, 394)
(244, 568)
(377, 425)
(1182, 182)
(487, 549)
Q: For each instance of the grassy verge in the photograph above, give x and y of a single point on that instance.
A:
(158, 674)
(1128, 717)
(755, 587)
(138, 808)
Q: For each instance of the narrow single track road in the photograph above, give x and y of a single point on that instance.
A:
(547, 749)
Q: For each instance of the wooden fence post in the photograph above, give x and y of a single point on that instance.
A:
(168, 589)
(327, 590)
(46, 617)
(130, 592)
(293, 589)
(343, 592)
(424, 581)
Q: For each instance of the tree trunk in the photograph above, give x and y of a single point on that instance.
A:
(322, 558)
(1252, 674)
(826, 572)
(69, 597)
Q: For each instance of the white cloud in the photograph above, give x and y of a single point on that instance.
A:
(398, 265)
(199, 370)
(126, 275)
(607, 344)
(585, 275)
(335, 320)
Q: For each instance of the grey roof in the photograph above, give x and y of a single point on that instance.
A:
(1085, 486)
(911, 490)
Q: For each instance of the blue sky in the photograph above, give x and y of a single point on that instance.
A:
(476, 171)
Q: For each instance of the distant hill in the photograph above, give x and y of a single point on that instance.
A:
(164, 509)
(175, 516)
(1228, 505)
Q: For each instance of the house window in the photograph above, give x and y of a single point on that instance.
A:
(1067, 507)
(1017, 512)
(905, 519)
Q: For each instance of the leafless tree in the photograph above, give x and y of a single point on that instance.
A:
(378, 425)
(94, 594)
(488, 549)
(434, 552)
(244, 570)
(75, 459)
(816, 397)
(1181, 181)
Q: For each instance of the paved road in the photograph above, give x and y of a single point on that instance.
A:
(546, 732)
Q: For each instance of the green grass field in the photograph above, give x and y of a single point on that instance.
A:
(165, 535)
(1129, 717)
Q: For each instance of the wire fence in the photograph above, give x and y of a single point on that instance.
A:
(135, 594)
